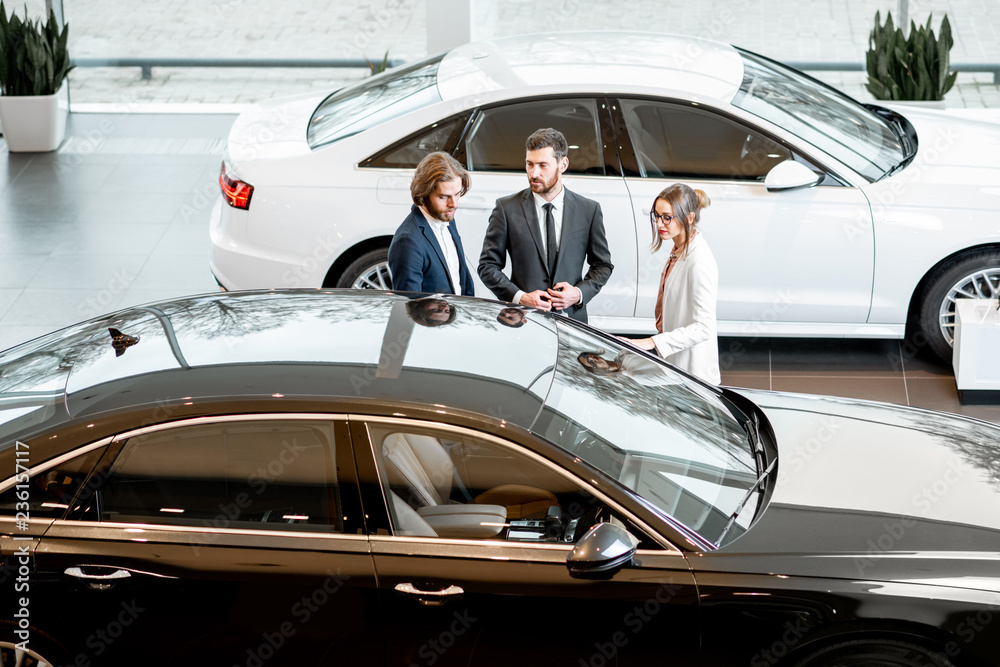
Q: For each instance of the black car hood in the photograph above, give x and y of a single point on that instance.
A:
(869, 490)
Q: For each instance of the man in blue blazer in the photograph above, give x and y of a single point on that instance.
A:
(426, 253)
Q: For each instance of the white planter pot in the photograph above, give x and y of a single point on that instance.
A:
(976, 357)
(34, 123)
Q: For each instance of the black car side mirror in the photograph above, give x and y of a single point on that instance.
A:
(601, 552)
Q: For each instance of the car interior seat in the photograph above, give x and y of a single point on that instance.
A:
(408, 521)
(422, 475)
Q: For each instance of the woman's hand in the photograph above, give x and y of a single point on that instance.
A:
(643, 343)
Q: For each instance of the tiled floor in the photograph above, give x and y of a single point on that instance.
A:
(119, 217)
(877, 370)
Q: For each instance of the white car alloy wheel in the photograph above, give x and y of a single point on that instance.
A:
(983, 284)
(972, 275)
(376, 277)
(369, 270)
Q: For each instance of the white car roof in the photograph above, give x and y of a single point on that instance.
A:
(597, 60)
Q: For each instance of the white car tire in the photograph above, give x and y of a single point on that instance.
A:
(369, 271)
(974, 274)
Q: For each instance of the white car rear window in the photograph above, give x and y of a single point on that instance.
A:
(373, 101)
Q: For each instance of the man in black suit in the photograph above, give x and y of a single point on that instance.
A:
(549, 232)
(426, 252)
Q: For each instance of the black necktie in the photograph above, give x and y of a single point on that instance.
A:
(550, 238)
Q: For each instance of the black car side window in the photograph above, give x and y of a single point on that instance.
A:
(265, 475)
(450, 485)
(48, 494)
(677, 141)
(496, 140)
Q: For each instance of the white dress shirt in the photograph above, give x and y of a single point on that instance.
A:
(447, 244)
(689, 339)
(557, 218)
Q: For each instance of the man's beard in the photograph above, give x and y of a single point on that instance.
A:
(545, 187)
(438, 214)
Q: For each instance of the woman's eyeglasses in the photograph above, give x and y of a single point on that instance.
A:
(655, 217)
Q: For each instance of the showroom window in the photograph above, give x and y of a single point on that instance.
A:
(496, 140)
(447, 483)
(676, 142)
(274, 475)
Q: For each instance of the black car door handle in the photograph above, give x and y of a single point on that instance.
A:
(100, 582)
(430, 598)
(80, 574)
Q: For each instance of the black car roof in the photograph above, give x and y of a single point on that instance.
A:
(355, 344)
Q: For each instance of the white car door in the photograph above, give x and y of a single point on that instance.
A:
(787, 260)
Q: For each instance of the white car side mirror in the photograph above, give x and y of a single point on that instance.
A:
(789, 175)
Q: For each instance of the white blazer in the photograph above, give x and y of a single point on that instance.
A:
(689, 339)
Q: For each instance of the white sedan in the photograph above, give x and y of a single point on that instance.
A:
(829, 218)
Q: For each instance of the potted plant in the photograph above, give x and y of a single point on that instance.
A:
(34, 62)
(909, 68)
(379, 67)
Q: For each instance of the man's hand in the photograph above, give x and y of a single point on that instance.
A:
(564, 295)
(538, 299)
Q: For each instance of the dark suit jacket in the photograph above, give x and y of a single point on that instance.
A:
(514, 229)
(417, 262)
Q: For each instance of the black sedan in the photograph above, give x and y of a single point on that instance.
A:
(368, 478)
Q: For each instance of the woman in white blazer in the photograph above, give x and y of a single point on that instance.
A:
(689, 286)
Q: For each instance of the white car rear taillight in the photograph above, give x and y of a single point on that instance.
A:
(236, 192)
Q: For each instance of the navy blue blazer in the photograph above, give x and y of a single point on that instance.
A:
(417, 262)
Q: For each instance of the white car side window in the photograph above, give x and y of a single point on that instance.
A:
(496, 142)
(675, 141)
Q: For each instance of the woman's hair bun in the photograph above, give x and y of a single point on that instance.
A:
(703, 200)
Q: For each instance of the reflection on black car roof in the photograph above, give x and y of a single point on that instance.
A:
(373, 346)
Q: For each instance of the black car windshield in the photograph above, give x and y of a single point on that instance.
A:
(665, 437)
(820, 115)
(373, 101)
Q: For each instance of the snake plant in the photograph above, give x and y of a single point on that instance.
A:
(379, 67)
(909, 68)
(34, 59)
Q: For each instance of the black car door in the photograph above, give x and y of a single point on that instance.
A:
(470, 552)
(222, 541)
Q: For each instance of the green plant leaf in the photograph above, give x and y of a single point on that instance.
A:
(911, 67)
(34, 56)
(948, 83)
